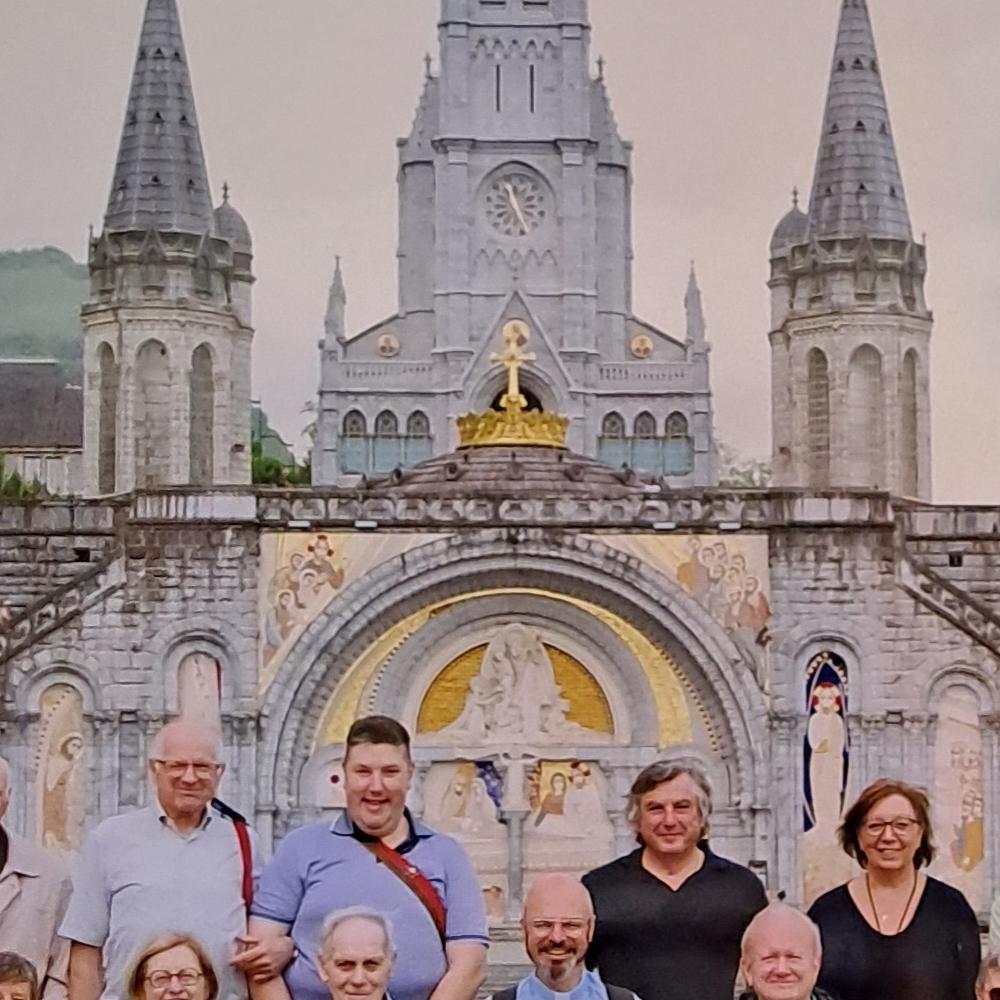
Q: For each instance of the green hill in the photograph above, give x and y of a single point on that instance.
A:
(41, 292)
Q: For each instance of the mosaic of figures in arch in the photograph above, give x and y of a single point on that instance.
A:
(729, 577)
(827, 756)
(301, 573)
(61, 769)
(562, 805)
(957, 795)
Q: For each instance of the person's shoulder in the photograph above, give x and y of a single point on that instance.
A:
(735, 874)
(612, 873)
(949, 898)
(124, 824)
(447, 847)
(47, 864)
(832, 901)
(307, 835)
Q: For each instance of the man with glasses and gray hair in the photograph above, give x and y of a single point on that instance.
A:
(670, 915)
(184, 863)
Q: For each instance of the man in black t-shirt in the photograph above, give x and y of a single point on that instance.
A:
(670, 915)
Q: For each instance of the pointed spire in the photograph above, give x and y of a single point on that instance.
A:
(857, 186)
(336, 306)
(695, 312)
(160, 179)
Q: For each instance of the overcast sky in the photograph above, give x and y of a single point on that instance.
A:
(300, 103)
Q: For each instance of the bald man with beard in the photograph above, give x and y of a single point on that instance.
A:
(558, 924)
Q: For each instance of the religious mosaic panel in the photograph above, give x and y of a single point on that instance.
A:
(61, 769)
(302, 573)
(957, 795)
(826, 759)
(728, 576)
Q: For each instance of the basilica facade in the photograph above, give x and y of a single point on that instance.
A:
(546, 588)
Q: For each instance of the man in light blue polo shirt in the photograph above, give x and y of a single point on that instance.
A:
(323, 867)
(176, 865)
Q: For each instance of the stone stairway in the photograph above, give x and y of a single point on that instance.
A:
(51, 611)
(977, 619)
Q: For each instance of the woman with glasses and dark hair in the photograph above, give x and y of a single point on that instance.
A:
(172, 967)
(893, 932)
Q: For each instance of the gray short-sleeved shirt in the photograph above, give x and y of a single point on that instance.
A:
(136, 878)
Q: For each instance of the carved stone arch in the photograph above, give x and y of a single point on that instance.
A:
(201, 634)
(963, 675)
(58, 671)
(494, 381)
(796, 647)
(608, 659)
(152, 414)
(452, 567)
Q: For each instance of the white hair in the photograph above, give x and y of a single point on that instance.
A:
(779, 909)
(210, 733)
(338, 917)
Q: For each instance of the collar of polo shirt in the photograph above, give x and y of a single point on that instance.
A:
(161, 814)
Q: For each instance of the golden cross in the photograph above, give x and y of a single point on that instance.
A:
(515, 336)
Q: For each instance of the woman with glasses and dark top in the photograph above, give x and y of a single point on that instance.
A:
(172, 967)
(893, 932)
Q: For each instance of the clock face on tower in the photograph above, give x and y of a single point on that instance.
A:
(516, 203)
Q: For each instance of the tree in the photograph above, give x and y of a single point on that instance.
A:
(738, 472)
(13, 487)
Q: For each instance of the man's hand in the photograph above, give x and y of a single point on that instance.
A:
(263, 959)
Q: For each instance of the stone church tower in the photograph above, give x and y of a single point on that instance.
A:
(850, 328)
(514, 203)
(167, 327)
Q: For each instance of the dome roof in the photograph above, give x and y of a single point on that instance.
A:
(791, 230)
(528, 471)
(231, 226)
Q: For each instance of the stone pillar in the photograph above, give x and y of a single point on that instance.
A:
(514, 819)
(786, 787)
(105, 748)
(917, 741)
(873, 740)
(989, 727)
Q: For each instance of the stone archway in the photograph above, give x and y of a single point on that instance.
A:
(451, 567)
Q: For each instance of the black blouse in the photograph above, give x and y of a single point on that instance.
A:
(935, 958)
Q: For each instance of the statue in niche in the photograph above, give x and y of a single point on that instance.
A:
(62, 776)
(199, 681)
(515, 696)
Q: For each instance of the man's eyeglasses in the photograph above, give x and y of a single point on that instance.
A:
(901, 826)
(162, 979)
(178, 768)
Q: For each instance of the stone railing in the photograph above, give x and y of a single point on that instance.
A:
(53, 610)
(967, 613)
(676, 376)
(928, 521)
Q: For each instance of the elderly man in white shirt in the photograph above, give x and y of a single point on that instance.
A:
(178, 865)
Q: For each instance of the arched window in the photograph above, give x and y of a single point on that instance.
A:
(646, 452)
(199, 684)
(202, 430)
(387, 452)
(418, 444)
(352, 449)
(612, 445)
(909, 421)
(678, 449)
(866, 444)
(107, 431)
(151, 419)
(818, 420)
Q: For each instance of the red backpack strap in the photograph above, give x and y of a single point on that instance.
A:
(415, 880)
(246, 852)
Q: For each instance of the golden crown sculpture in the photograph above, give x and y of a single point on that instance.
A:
(514, 423)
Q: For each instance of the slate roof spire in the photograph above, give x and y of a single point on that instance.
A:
(694, 310)
(857, 187)
(160, 179)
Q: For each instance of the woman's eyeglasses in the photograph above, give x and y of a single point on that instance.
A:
(162, 979)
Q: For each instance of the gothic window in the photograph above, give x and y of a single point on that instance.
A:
(818, 419)
(910, 442)
(387, 446)
(353, 445)
(865, 405)
(418, 444)
(151, 419)
(646, 451)
(612, 446)
(107, 420)
(678, 449)
(202, 429)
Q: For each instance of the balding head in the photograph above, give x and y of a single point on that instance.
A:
(558, 924)
(781, 954)
(186, 768)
